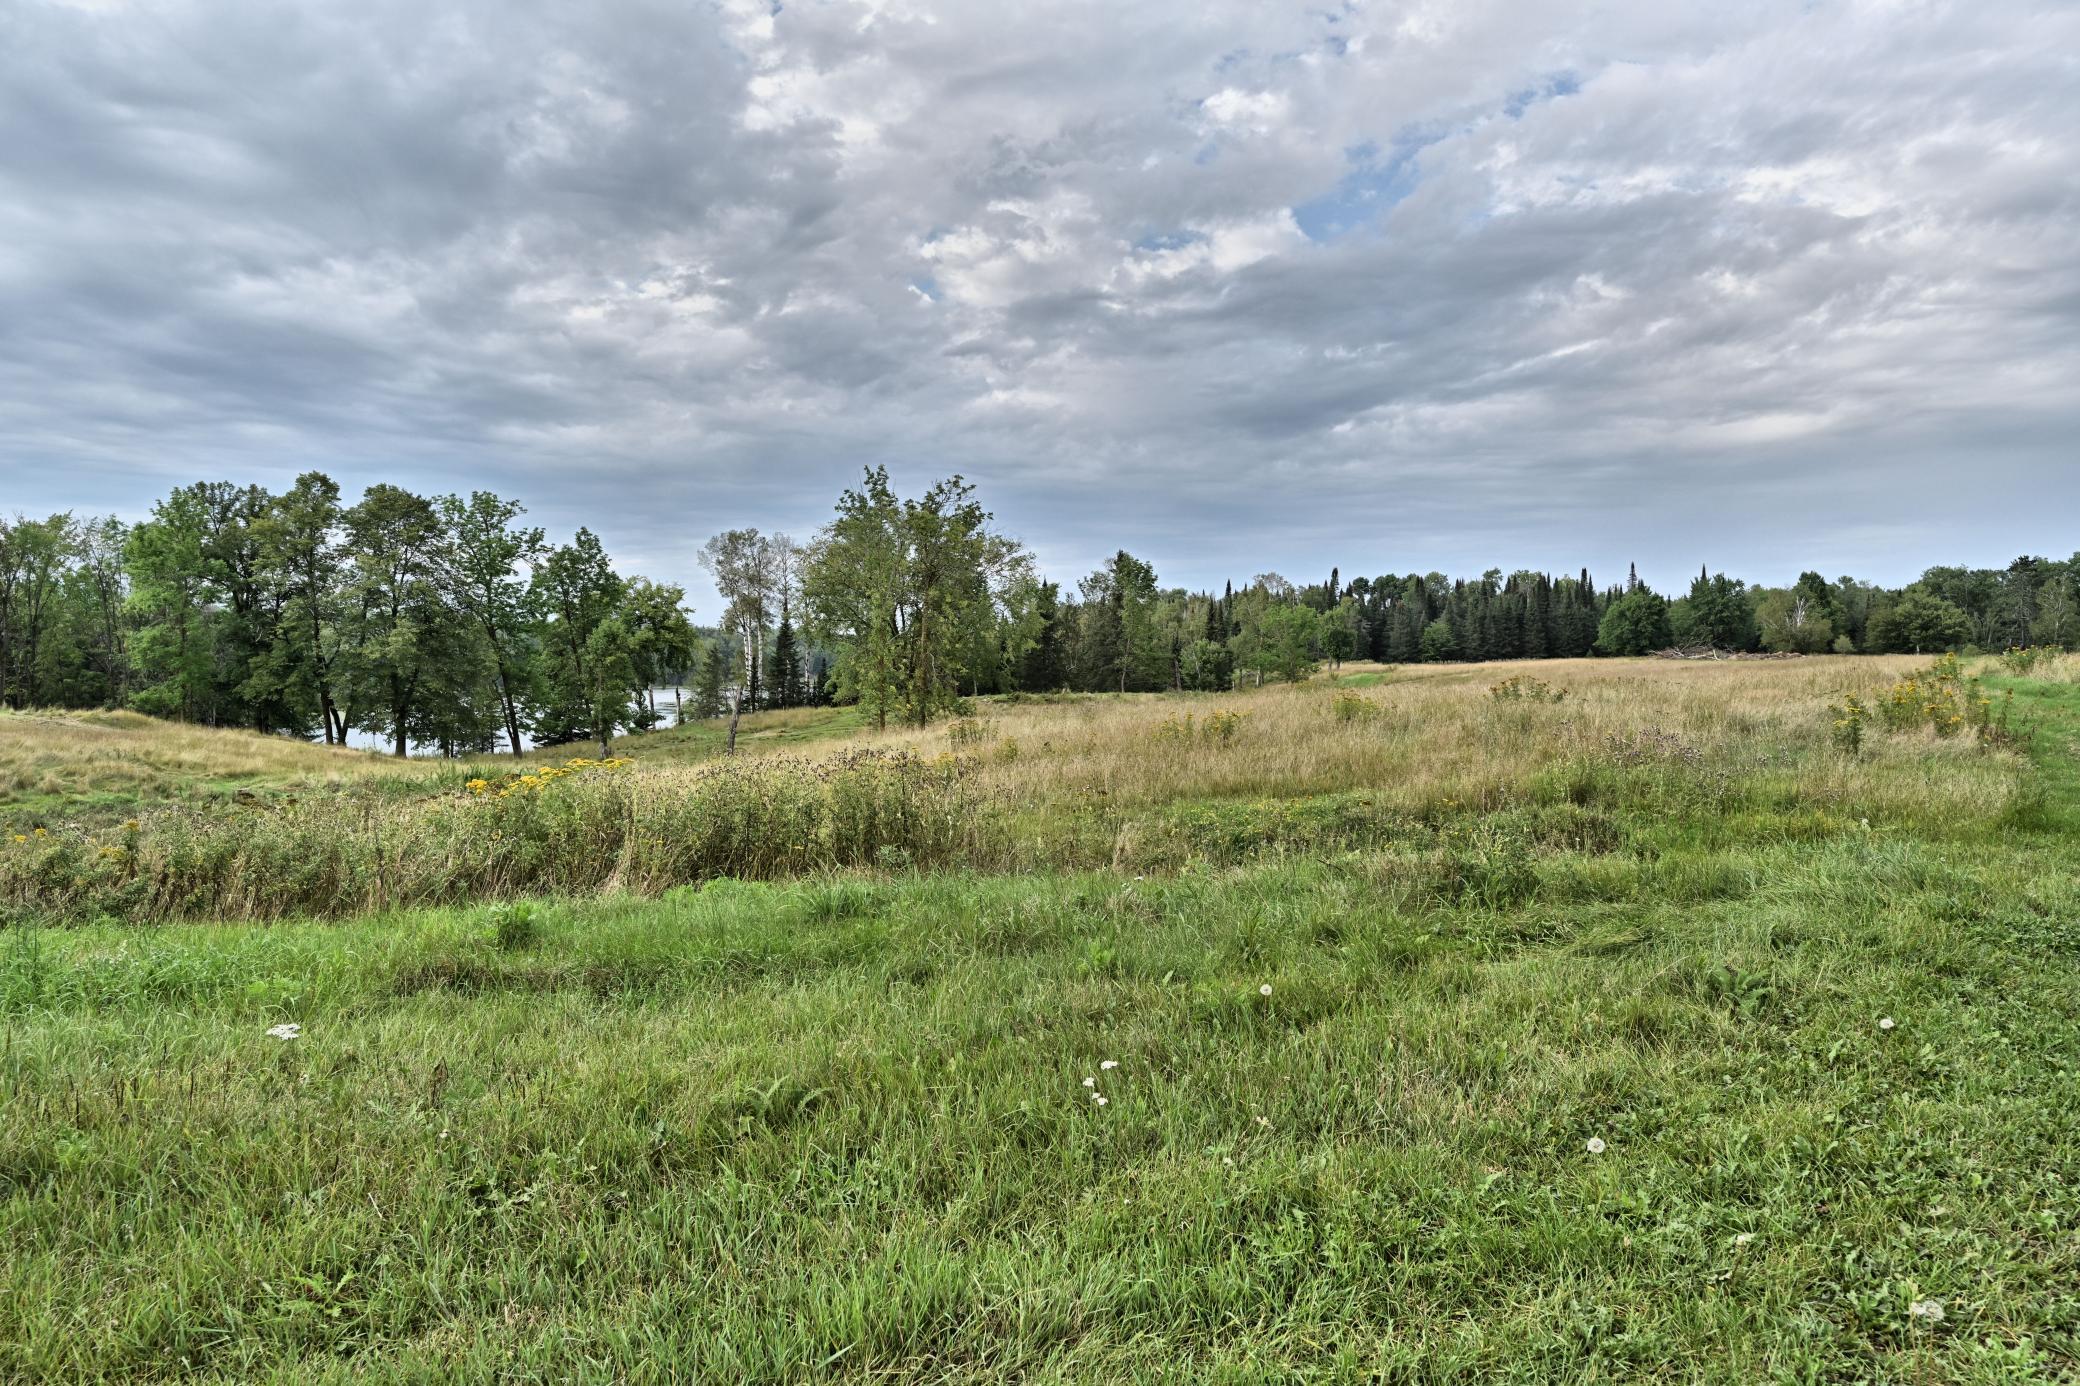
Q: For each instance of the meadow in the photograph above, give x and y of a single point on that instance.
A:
(1594, 1020)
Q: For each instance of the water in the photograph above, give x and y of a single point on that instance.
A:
(666, 709)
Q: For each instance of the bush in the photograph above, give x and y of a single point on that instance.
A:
(1522, 688)
(1849, 719)
(1351, 706)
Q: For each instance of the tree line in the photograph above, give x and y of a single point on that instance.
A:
(448, 622)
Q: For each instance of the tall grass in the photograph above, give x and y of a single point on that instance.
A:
(61, 760)
(1614, 755)
(360, 849)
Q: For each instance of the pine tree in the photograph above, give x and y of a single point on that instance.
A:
(786, 678)
(707, 698)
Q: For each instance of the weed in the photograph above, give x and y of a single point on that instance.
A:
(1523, 688)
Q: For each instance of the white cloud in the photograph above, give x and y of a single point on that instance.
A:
(661, 272)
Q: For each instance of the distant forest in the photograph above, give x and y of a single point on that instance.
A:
(447, 622)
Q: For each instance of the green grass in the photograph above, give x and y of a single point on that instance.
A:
(837, 1128)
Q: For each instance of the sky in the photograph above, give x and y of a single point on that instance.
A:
(1239, 286)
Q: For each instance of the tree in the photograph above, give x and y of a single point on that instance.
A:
(489, 560)
(573, 591)
(1716, 613)
(1438, 642)
(184, 664)
(1791, 621)
(90, 663)
(1035, 646)
(1290, 636)
(33, 557)
(659, 636)
(1207, 666)
(894, 586)
(744, 566)
(708, 700)
(2056, 612)
(1339, 631)
(1120, 632)
(1921, 623)
(1636, 623)
(406, 638)
(300, 556)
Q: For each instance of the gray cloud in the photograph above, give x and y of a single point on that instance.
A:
(1440, 284)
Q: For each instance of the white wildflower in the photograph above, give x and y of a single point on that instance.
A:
(288, 1030)
(1596, 1145)
(1108, 1065)
(1743, 1238)
(1886, 1022)
(1099, 1098)
(1090, 1082)
(1930, 1309)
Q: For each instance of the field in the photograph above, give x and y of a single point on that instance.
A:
(1616, 1023)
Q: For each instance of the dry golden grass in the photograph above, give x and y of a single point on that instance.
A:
(1420, 739)
(1430, 737)
(72, 757)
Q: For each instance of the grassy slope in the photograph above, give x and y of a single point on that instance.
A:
(96, 765)
(99, 766)
(839, 1128)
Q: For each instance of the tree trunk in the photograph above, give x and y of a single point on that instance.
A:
(736, 708)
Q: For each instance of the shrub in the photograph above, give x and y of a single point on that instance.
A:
(2022, 660)
(968, 731)
(1849, 718)
(515, 925)
(1524, 688)
(1352, 706)
(1219, 727)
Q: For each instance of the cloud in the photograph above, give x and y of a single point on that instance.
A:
(1236, 286)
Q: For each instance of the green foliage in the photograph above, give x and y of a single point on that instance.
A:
(2022, 661)
(1439, 643)
(1920, 623)
(1718, 612)
(1850, 719)
(897, 587)
(1635, 624)
(1791, 621)
(516, 925)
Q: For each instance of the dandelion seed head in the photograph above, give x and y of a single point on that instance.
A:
(1596, 1145)
(1886, 1022)
(1264, 990)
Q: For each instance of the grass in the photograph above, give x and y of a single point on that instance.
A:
(74, 765)
(102, 766)
(836, 1126)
